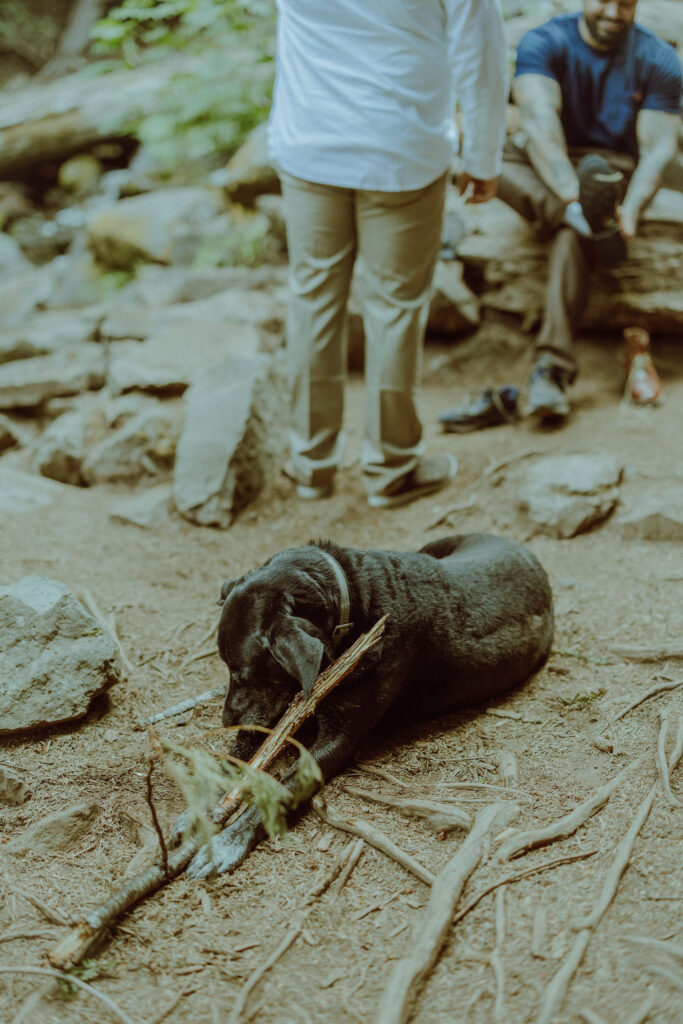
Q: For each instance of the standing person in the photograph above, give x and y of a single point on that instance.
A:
(362, 132)
(600, 98)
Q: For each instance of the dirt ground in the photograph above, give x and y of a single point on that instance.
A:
(185, 953)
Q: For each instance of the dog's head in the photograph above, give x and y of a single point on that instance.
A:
(275, 635)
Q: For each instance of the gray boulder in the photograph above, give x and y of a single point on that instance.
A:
(54, 656)
(62, 446)
(233, 431)
(26, 383)
(152, 227)
(13, 789)
(57, 832)
(657, 515)
(149, 509)
(144, 446)
(567, 494)
(44, 333)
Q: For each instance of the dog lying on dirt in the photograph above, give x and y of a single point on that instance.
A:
(469, 617)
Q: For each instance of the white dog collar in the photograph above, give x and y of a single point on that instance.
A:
(344, 626)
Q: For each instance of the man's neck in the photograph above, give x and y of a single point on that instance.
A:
(590, 39)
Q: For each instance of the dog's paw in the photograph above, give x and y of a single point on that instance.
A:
(226, 851)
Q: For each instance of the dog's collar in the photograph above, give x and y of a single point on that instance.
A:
(344, 626)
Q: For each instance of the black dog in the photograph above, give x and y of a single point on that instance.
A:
(469, 617)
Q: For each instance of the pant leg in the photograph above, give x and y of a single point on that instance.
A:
(521, 188)
(399, 235)
(565, 300)
(321, 238)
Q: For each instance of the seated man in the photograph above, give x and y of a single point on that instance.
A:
(592, 83)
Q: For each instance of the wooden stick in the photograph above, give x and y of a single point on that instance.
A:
(642, 1012)
(107, 625)
(660, 688)
(664, 972)
(117, 1011)
(90, 930)
(566, 825)
(656, 944)
(21, 934)
(52, 915)
(375, 838)
(591, 1017)
(661, 760)
(557, 988)
(635, 653)
(183, 705)
(355, 855)
(429, 934)
(443, 817)
(499, 1011)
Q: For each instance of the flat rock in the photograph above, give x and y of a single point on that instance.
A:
(167, 362)
(21, 293)
(653, 516)
(62, 446)
(567, 494)
(44, 333)
(149, 509)
(144, 446)
(126, 321)
(22, 493)
(9, 435)
(57, 832)
(264, 310)
(13, 789)
(26, 383)
(233, 430)
(54, 656)
(151, 226)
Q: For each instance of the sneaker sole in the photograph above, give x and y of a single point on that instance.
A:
(405, 497)
(306, 493)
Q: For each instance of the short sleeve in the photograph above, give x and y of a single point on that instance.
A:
(664, 82)
(537, 53)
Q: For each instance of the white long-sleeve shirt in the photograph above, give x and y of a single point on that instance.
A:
(365, 90)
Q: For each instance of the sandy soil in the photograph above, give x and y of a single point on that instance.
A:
(201, 941)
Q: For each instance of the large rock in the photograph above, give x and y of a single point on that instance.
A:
(264, 310)
(54, 656)
(148, 509)
(567, 494)
(166, 363)
(233, 430)
(27, 383)
(144, 446)
(60, 831)
(152, 226)
(62, 446)
(23, 493)
(250, 171)
(44, 333)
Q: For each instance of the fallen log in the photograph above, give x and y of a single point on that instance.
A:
(91, 930)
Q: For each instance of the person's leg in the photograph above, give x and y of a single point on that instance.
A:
(565, 300)
(321, 239)
(398, 242)
(521, 188)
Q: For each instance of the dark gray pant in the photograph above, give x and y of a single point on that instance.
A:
(570, 259)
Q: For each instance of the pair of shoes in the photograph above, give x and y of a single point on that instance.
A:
(429, 475)
(547, 398)
(490, 408)
(643, 385)
(599, 193)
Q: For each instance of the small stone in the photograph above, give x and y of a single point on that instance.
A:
(57, 832)
(653, 516)
(13, 789)
(567, 494)
(149, 509)
(22, 493)
(144, 446)
(62, 446)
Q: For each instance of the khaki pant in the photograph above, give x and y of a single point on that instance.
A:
(570, 260)
(396, 237)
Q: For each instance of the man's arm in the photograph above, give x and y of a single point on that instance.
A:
(477, 52)
(657, 132)
(540, 101)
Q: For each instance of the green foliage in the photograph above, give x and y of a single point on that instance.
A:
(249, 244)
(206, 114)
(203, 778)
(89, 970)
(582, 700)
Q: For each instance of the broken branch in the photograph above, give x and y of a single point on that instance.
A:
(660, 688)
(90, 930)
(430, 932)
(183, 705)
(443, 817)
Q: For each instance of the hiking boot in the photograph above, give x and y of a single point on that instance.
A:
(490, 408)
(429, 475)
(308, 492)
(643, 385)
(600, 189)
(547, 398)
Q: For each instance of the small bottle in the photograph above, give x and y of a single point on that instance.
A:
(643, 385)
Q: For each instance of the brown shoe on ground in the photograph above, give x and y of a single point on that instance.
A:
(643, 385)
(429, 475)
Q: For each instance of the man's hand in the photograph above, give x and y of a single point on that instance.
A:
(478, 190)
(627, 222)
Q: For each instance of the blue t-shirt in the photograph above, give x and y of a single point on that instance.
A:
(603, 90)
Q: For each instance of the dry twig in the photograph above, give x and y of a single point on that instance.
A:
(375, 838)
(183, 705)
(116, 1010)
(591, 1017)
(442, 816)
(108, 624)
(91, 929)
(656, 944)
(660, 688)
(661, 760)
(566, 825)
(430, 932)
(499, 1012)
(55, 916)
(21, 934)
(152, 809)
(634, 652)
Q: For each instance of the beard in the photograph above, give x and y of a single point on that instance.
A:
(606, 33)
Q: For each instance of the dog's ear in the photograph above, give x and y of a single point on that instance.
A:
(226, 587)
(299, 653)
